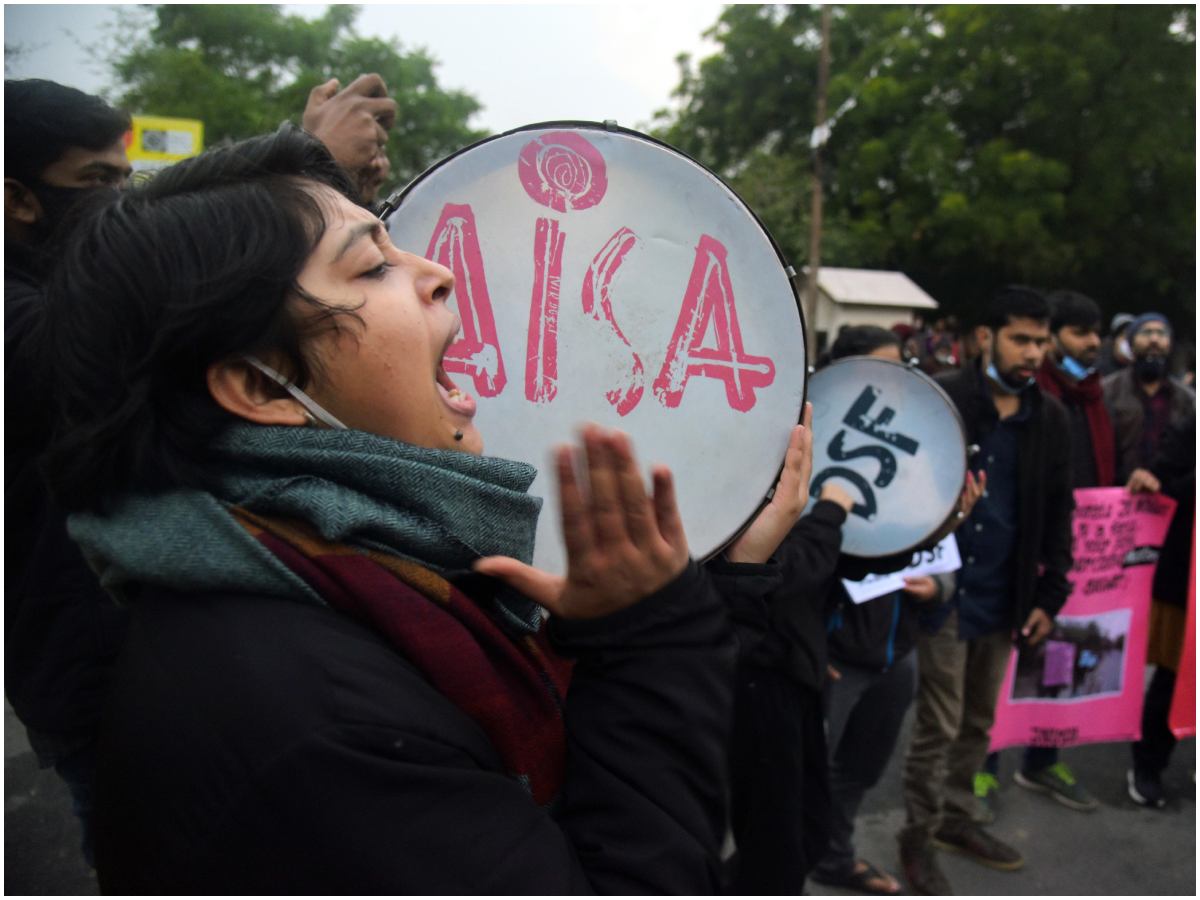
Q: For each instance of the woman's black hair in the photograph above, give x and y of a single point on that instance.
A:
(858, 340)
(193, 267)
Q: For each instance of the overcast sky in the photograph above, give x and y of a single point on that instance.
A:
(524, 63)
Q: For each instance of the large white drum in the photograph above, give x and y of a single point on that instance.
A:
(893, 435)
(603, 276)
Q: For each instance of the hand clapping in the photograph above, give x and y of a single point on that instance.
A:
(621, 544)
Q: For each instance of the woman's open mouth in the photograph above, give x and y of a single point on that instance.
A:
(459, 402)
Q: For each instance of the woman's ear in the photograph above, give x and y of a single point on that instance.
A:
(241, 389)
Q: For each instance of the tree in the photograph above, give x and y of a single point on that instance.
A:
(972, 145)
(244, 69)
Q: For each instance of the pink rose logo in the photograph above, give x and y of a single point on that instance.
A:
(562, 170)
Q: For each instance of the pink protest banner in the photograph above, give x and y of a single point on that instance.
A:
(1182, 718)
(1084, 683)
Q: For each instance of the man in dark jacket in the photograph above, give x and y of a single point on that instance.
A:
(61, 630)
(1068, 373)
(1143, 400)
(1016, 552)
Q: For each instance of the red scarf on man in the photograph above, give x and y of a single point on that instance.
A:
(1089, 395)
(514, 688)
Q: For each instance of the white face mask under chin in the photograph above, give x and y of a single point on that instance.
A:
(312, 406)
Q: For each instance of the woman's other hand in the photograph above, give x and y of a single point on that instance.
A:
(972, 491)
(622, 545)
(921, 587)
(776, 519)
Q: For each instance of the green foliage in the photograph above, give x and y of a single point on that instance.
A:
(972, 145)
(244, 69)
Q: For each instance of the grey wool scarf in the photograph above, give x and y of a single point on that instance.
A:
(441, 508)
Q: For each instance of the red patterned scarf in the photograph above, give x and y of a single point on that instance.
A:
(514, 688)
(1090, 395)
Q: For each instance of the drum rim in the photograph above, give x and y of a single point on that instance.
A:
(958, 420)
(394, 201)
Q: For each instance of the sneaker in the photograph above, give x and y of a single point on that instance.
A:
(1059, 782)
(987, 788)
(1145, 789)
(921, 870)
(973, 842)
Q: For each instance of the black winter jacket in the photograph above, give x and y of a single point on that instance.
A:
(780, 609)
(267, 746)
(1122, 396)
(61, 631)
(875, 634)
(1045, 501)
(1175, 467)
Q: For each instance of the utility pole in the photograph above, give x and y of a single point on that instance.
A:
(814, 234)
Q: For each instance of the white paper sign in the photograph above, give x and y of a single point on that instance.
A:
(943, 557)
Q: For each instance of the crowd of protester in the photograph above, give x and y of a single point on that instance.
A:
(270, 613)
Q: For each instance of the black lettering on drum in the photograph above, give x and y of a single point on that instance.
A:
(856, 417)
(885, 457)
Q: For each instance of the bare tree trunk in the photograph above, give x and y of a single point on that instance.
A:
(814, 235)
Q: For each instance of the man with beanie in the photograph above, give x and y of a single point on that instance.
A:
(1016, 550)
(1142, 400)
(1153, 417)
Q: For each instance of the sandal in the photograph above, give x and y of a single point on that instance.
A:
(864, 878)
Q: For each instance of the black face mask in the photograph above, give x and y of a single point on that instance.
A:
(57, 204)
(1150, 369)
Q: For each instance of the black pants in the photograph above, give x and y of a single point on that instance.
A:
(1152, 753)
(866, 710)
(779, 779)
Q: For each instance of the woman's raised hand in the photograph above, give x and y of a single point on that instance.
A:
(622, 545)
(775, 520)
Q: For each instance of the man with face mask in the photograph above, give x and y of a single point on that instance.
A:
(1069, 374)
(61, 146)
(1016, 550)
(1154, 417)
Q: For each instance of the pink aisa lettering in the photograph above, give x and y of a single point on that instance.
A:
(598, 282)
(455, 245)
(708, 306)
(541, 360)
(707, 340)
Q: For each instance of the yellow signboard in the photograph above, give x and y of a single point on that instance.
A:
(157, 141)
